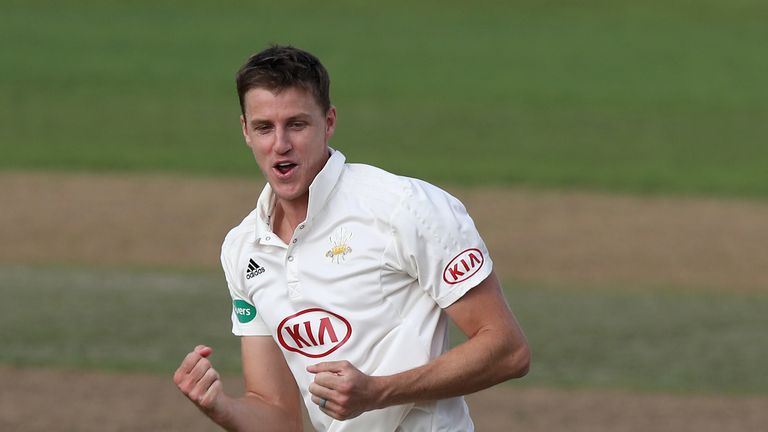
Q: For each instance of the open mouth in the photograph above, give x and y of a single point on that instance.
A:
(285, 167)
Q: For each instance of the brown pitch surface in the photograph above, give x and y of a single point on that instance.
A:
(568, 238)
(43, 400)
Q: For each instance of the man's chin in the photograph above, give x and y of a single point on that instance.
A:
(289, 194)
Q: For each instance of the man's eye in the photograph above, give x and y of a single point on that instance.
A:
(297, 125)
(262, 129)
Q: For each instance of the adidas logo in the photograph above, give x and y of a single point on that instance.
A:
(253, 269)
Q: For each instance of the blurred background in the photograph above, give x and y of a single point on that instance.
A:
(612, 153)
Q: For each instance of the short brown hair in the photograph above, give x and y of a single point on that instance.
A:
(280, 67)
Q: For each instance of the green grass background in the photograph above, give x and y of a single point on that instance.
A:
(674, 340)
(665, 97)
(653, 96)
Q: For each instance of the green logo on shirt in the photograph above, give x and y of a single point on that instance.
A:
(245, 311)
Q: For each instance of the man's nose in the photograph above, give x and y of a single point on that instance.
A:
(282, 141)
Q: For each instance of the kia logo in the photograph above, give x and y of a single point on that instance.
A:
(463, 266)
(313, 332)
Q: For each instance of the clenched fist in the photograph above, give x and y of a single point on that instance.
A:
(198, 380)
(341, 390)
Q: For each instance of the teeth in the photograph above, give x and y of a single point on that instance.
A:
(284, 164)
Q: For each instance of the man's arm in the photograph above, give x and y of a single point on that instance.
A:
(495, 351)
(271, 401)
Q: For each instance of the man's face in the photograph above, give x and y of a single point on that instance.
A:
(288, 133)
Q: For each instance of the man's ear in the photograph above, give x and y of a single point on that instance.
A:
(244, 129)
(330, 122)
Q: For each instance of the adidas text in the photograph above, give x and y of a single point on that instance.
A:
(253, 269)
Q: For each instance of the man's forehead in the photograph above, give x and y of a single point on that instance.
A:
(291, 101)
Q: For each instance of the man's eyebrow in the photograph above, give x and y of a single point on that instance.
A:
(259, 122)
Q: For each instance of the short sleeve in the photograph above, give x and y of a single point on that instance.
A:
(246, 320)
(438, 244)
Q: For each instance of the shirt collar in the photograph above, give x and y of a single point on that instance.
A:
(319, 191)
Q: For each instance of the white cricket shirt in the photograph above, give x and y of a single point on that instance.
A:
(364, 278)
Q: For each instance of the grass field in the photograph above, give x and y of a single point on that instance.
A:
(669, 340)
(661, 97)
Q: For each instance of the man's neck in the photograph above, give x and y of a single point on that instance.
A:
(287, 215)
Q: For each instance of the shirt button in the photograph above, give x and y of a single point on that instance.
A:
(301, 226)
(290, 258)
(295, 240)
(268, 237)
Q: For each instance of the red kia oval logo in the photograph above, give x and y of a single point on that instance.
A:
(463, 266)
(314, 332)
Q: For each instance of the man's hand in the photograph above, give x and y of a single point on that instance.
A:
(199, 381)
(271, 401)
(347, 391)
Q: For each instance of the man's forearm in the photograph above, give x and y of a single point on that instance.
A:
(496, 351)
(480, 362)
(252, 413)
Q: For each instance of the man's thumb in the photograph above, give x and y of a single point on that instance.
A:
(203, 350)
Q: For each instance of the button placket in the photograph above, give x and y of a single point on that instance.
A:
(292, 277)
(291, 269)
